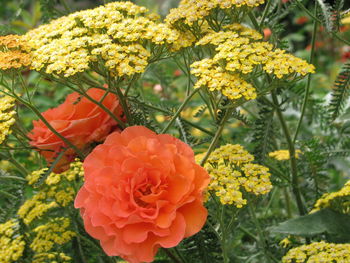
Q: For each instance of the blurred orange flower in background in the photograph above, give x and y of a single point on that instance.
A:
(79, 120)
(142, 191)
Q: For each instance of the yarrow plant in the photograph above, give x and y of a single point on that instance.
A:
(193, 137)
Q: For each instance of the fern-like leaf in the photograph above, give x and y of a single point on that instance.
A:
(340, 92)
(327, 16)
(263, 132)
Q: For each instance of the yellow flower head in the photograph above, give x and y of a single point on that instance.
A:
(232, 172)
(339, 201)
(238, 52)
(55, 232)
(115, 36)
(346, 19)
(7, 114)
(11, 242)
(190, 11)
(318, 252)
(282, 155)
(56, 192)
(13, 52)
(51, 257)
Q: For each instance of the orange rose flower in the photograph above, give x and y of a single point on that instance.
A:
(142, 191)
(79, 120)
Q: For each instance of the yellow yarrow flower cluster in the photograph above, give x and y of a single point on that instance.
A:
(55, 232)
(339, 201)
(346, 19)
(34, 177)
(51, 257)
(239, 52)
(35, 208)
(115, 35)
(13, 52)
(56, 192)
(190, 11)
(213, 76)
(7, 116)
(232, 172)
(282, 155)
(318, 252)
(281, 64)
(11, 242)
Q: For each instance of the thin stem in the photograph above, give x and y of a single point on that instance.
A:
(21, 169)
(123, 102)
(7, 194)
(177, 113)
(169, 113)
(217, 135)
(267, 7)
(261, 239)
(254, 21)
(292, 159)
(308, 84)
(250, 234)
(66, 6)
(171, 255)
(10, 177)
(286, 197)
(223, 235)
(132, 81)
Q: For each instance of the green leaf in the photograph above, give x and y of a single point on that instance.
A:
(325, 221)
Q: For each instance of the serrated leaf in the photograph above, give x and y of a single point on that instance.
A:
(325, 221)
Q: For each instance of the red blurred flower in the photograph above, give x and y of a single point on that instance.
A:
(177, 73)
(142, 191)
(79, 120)
(267, 33)
(301, 20)
(345, 56)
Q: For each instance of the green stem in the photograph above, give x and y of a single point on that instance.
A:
(21, 169)
(286, 197)
(66, 6)
(177, 113)
(267, 7)
(307, 88)
(169, 113)
(132, 81)
(261, 235)
(8, 194)
(223, 235)
(171, 255)
(217, 135)
(250, 234)
(254, 21)
(292, 159)
(9, 177)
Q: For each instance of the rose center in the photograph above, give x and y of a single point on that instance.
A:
(143, 190)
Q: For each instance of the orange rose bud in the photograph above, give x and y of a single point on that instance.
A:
(79, 120)
(142, 191)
